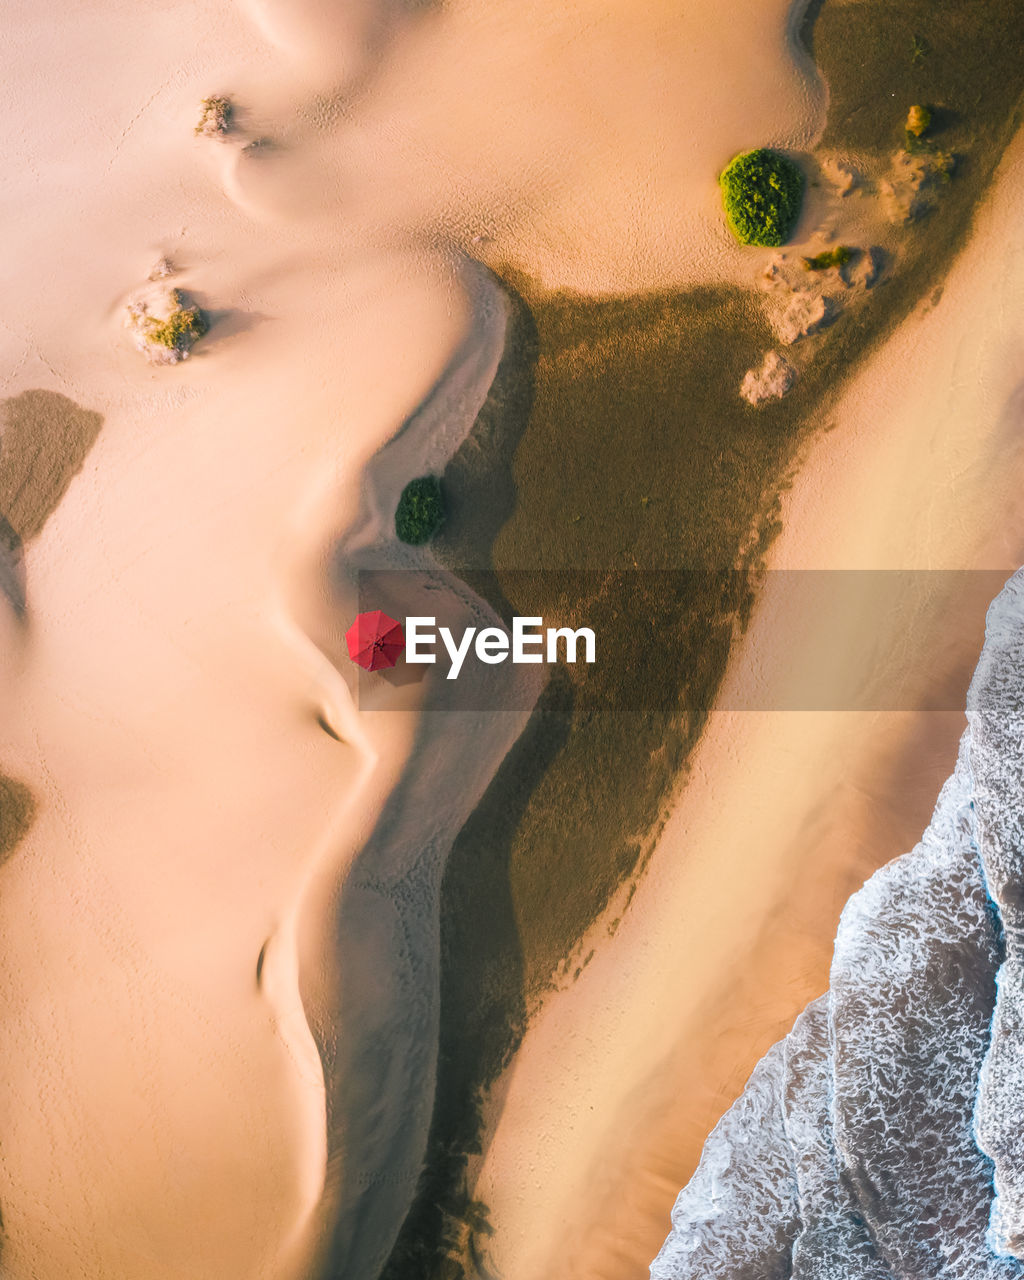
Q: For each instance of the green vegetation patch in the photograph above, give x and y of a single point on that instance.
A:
(837, 257)
(215, 117)
(762, 191)
(421, 511)
(181, 329)
(17, 810)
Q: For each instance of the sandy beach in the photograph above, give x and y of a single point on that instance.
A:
(786, 812)
(163, 1100)
(533, 137)
(221, 859)
(181, 654)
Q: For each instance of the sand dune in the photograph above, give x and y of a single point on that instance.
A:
(536, 135)
(371, 939)
(164, 714)
(164, 698)
(168, 920)
(163, 1110)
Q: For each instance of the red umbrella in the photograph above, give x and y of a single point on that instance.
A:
(375, 640)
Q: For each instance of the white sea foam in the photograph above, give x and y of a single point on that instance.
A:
(995, 712)
(866, 1143)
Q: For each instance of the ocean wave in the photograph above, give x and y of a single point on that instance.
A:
(882, 1137)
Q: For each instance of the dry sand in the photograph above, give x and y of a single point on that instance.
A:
(605, 1108)
(161, 1110)
(579, 142)
(163, 1115)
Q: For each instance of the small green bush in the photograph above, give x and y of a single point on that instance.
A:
(919, 121)
(215, 117)
(837, 257)
(420, 512)
(762, 191)
(183, 327)
(919, 50)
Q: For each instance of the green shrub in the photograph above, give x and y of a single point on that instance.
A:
(420, 512)
(762, 191)
(918, 121)
(837, 257)
(215, 117)
(919, 50)
(181, 329)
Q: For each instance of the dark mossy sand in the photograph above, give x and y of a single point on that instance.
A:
(614, 450)
(17, 809)
(44, 440)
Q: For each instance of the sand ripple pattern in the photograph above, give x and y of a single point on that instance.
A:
(882, 1137)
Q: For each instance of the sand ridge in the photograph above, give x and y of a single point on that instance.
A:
(163, 1107)
(535, 137)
